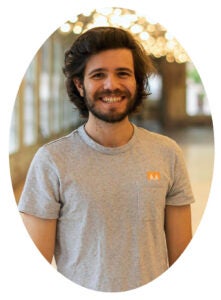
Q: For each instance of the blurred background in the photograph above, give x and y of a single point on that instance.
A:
(178, 106)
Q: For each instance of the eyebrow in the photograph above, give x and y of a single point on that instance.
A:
(125, 69)
(117, 69)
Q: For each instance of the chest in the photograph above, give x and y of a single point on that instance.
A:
(123, 187)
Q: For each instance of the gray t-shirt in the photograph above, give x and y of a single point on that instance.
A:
(109, 204)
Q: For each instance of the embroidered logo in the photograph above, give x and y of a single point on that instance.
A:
(153, 175)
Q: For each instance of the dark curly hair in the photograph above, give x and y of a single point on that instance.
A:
(94, 41)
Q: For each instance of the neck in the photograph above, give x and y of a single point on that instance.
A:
(109, 134)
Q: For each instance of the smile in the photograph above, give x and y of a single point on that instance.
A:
(112, 99)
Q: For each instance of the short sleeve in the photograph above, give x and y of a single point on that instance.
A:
(180, 192)
(40, 196)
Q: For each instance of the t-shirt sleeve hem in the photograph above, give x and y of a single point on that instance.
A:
(38, 214)
(180, 202)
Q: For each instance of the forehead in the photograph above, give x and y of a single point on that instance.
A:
(111, 59)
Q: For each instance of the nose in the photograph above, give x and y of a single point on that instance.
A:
(111, 82)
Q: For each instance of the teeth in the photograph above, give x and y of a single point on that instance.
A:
(111, 99)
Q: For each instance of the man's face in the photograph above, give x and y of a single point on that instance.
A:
(109, 86)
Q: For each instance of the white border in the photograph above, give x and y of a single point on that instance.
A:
(24, 26)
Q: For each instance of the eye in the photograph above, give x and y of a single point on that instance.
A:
(124, 74)
(99, 75)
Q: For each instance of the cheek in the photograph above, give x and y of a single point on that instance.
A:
(133, 87)
(90, 88)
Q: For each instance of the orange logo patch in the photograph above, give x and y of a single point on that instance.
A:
(153, 175)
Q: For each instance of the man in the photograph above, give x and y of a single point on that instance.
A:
(110, 201)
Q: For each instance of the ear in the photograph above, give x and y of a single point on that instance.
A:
(79, 86)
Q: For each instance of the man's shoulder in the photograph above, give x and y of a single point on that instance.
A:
(155, 138)
(62, 141)
(62, 144)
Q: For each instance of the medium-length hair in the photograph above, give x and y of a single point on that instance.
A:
(99, 39)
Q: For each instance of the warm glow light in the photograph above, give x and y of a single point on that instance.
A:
(117, 12)
(144, 36)
(131, 17)
(104, 10)
(155, 38)
(73, 19)
(77, 29)
(150, 28)
(65, 28)
(171, 45)
(136, 28)
(170, 58)
(115, 20)
(168, 36)
(87, 13)
(125, 21)
(101, 21)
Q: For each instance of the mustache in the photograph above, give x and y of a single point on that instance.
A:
(113, 93)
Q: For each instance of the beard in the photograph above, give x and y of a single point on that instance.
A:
(112, 116)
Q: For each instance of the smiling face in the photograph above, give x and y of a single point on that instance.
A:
(109, 86)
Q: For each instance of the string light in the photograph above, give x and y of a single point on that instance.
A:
(104, 11)
(144, 36)
(65, 28)
(136, 28)
(73, 19)
(155, 38)
(78, 27)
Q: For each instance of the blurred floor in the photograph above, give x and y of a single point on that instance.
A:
(198, 148)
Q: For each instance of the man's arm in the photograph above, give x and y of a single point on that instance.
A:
(178, 230)
(42, 232)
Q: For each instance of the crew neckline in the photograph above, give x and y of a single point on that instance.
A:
(107, 150)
